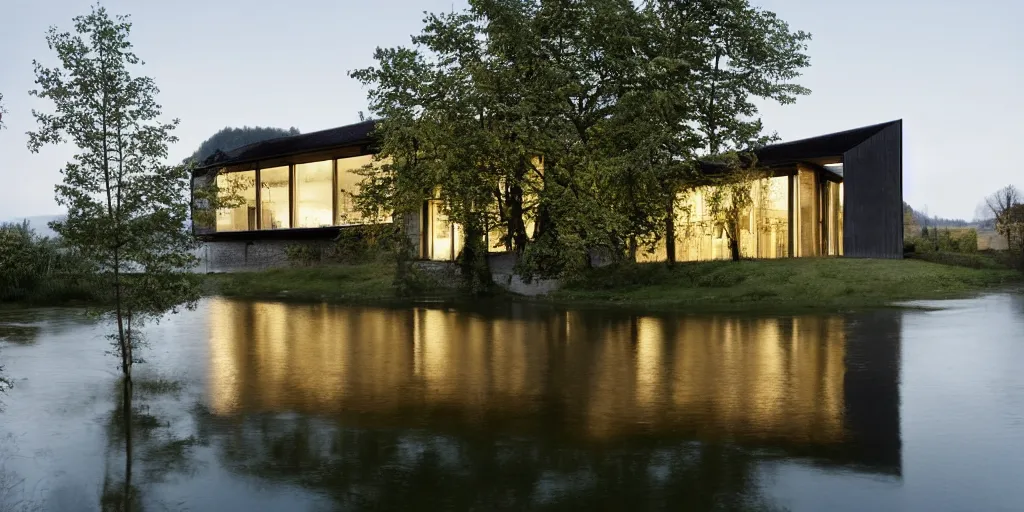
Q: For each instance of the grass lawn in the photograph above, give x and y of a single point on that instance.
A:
(771, 286)
(783, 285)
(343, 283)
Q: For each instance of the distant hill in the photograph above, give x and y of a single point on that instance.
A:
(233, 138)
(920, 219)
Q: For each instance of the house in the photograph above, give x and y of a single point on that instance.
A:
(834, 195)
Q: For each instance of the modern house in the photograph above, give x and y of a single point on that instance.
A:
(833, 195)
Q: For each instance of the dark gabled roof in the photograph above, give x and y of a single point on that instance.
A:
(822, 146)
(349, 135)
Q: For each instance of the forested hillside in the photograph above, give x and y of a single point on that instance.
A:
(232, 138)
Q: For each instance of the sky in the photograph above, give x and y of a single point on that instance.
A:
(952, 70)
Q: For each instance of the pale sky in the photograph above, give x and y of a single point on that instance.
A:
(952, 70)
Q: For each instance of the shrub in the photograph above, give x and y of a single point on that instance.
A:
(39, 269)
(964, 241)
(364, 244)
(975, 260)
(303, 254)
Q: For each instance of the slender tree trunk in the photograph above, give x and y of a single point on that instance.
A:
(670, 230)
(112, 214)
(710, 119)
(126, 496)
(516, 224)
(734, 240)
(476, 272)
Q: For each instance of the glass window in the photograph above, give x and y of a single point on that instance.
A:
(809, 239)
(444, 241)
(772, 224)
(348, 189)
(274, 198)
(237, 191)
(313, 198)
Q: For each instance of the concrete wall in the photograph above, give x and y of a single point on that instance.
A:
(234, 256)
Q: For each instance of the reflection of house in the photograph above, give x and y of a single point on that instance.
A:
(824, 388)
(837, 194)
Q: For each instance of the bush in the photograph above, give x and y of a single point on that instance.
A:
(364, 244)
(303, 254)
(976, 260)
(40, 269)
(963, 241)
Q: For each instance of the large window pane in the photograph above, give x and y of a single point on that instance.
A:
(772, 202)
(238, 191)
(275, 203)
(810, 238)
(313, 198)
(348, 189)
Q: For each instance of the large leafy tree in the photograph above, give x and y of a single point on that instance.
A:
(127, 206)
(724, 54)
(620, 100)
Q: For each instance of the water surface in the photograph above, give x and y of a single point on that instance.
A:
(273, 406)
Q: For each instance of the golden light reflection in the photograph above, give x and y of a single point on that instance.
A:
(713, 377)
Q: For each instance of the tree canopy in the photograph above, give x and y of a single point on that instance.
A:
(580, 118)
(232, 138)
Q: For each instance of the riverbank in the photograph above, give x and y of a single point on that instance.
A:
(782, 286)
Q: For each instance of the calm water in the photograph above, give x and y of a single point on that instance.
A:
(271, 406)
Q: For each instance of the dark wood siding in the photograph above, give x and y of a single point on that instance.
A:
(873, 203)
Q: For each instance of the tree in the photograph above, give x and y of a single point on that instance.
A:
(126, 206)
(1002, 200)
(583, 118)
(725, 53)
(1002, 205)
(1010, 223)
(3, 111)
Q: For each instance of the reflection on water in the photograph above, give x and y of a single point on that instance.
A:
(526, 407)
(265, 406)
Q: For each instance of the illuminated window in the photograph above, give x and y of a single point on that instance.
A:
(313, 198)
(348, 189)
(237, 190)
(275, 203)
(445, 237)
(772, 220)
(809, 238)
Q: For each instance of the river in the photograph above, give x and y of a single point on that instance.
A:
(247, 405)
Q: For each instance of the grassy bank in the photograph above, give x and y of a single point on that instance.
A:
(368, 283)
(787, 285)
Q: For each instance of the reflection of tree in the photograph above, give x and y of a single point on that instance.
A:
(142, 448)
(397, 469)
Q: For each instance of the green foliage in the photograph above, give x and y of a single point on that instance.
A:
(304, 254)
(364, 244)
(41, 270)
(943, 240)
(1010, 223)
(127, 208)
(228, 139)
(958, 259)
(620, 101)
